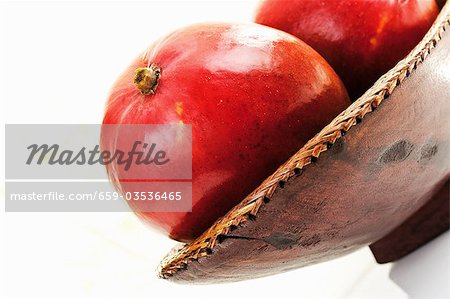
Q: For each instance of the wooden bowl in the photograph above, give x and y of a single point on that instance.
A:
(376, 164)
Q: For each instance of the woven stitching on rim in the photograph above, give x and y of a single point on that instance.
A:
(180, 256)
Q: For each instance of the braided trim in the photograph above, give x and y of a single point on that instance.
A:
(180, 256)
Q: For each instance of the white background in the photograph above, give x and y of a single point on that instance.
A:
(58, 61)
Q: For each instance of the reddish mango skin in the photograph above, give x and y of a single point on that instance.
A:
(360, 39)
(253, 95)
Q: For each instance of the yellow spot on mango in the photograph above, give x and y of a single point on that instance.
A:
(179, 108)
(384, 19)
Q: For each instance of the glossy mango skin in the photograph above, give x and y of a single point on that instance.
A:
(253, 95)
(360, 39)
